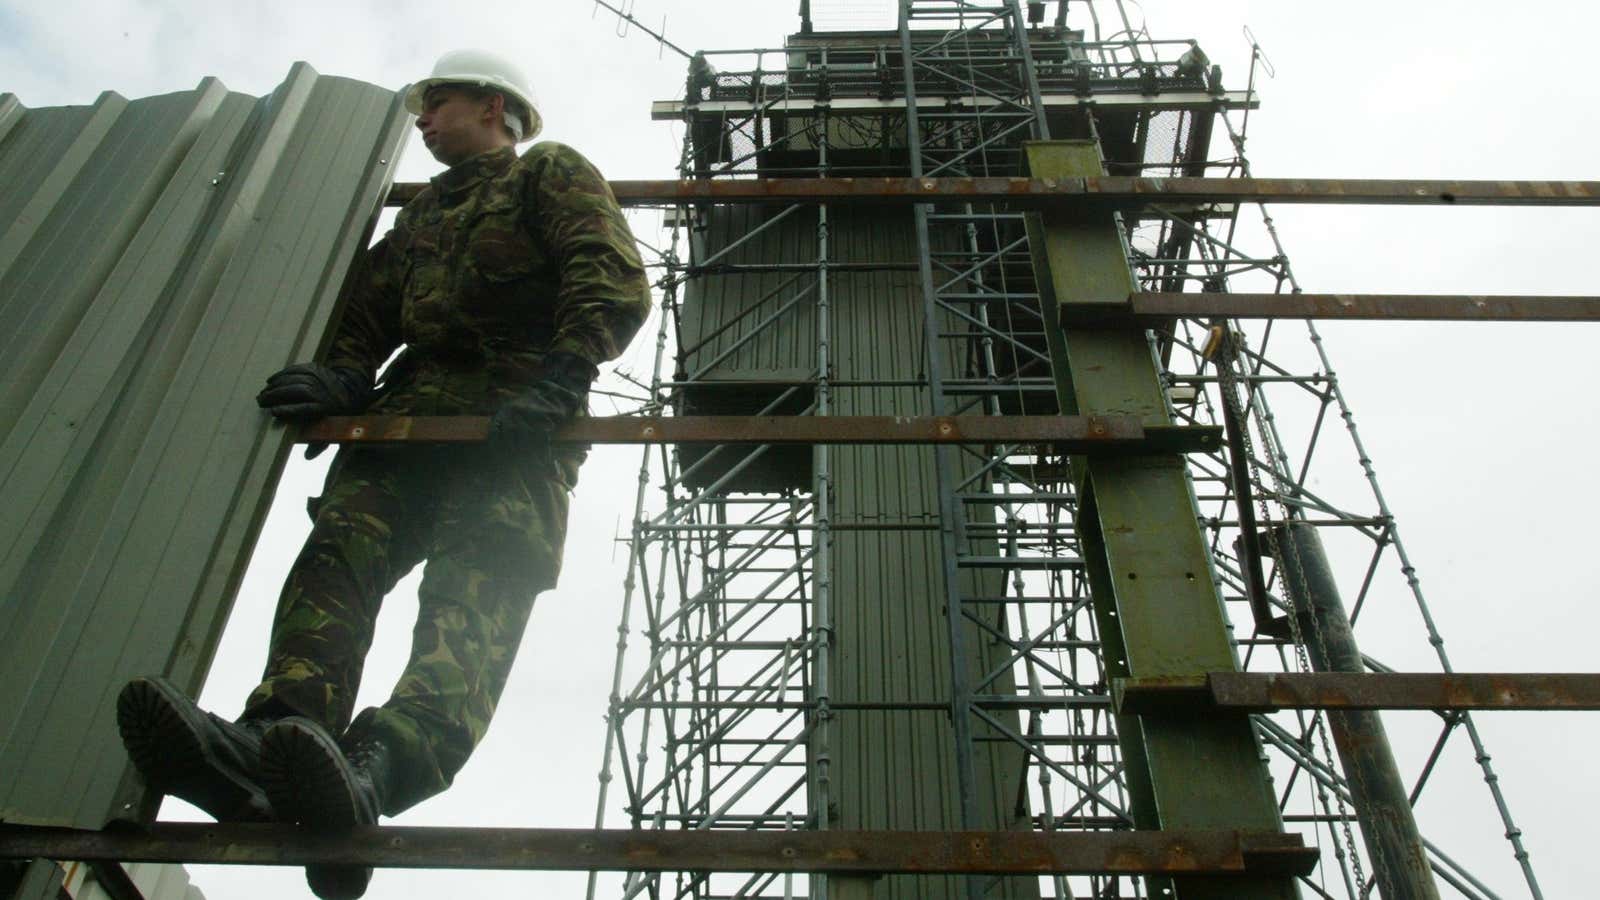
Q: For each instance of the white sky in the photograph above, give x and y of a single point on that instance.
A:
(1482, 434)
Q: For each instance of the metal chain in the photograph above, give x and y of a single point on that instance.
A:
(1228, 382)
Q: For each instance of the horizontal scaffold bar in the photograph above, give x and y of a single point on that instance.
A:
(866, 852)
(1199, 101)
(1269, 691)
(1448, 308)
(1069, 434)
(1108, 189)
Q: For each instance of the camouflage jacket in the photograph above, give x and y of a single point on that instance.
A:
(498, 261)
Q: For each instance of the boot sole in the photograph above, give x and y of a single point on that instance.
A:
(163, 733)
(303, 773)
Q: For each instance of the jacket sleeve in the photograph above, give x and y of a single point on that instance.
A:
(604, 297)
(369, 329)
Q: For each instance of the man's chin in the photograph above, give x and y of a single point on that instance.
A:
(443, 155)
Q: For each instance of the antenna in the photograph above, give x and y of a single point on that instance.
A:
(625, 18)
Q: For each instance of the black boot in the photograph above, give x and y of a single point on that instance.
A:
(181, 750)
(311, 781)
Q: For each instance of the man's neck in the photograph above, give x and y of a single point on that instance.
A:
(473, 169)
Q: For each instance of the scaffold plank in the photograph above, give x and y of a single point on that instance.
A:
(870, 852)
(1068, 434)
(1448, 308)
(1115, 190)
(1270, 691)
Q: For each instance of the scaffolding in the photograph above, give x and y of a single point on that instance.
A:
(726, 711)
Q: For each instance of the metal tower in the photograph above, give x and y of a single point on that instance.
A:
(922, 638)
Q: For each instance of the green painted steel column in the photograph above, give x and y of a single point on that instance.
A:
(1158, 610)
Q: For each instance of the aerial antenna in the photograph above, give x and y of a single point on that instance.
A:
(625, 18)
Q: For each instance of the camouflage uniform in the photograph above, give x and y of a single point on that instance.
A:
(499, 261)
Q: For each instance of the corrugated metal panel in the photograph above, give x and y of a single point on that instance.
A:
(889, 769)
(158, 257)
(726, 310)
(752, 325)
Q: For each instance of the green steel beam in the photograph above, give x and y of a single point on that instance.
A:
(1158, 610)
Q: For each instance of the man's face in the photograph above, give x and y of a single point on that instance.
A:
(457, 126)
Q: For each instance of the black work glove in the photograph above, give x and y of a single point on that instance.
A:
(313, 390)
(525, 424)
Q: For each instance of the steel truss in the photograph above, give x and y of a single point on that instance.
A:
(722, 714)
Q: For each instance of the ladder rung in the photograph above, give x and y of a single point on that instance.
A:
(1016, 498)
(1019, 562)
(1002, 390)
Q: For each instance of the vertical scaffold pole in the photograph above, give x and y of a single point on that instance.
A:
(951, 528)
(822, 542)
(1146, 559)
(944, 465)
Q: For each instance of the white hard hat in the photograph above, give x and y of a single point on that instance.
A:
(487, 70)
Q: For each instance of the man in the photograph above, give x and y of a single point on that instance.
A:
(507, 280)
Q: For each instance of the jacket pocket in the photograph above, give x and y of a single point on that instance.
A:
(499, 250)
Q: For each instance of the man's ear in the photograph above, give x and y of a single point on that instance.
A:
(494, 108)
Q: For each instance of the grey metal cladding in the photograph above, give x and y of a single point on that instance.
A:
(158, 258)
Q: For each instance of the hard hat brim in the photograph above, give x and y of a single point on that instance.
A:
(532, 123)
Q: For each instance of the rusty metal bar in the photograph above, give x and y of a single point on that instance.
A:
(1269, 691)
(1450, 308)
(836, 107)
(1107, 189)
(875, 852)
(1395, 690)
(1068, 434)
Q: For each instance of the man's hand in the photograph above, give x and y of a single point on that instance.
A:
(525, 424)
(313, 390)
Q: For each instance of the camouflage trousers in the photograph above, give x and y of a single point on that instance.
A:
(491, 531)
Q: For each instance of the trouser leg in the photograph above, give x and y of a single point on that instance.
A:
(498, 543)
(369, 529)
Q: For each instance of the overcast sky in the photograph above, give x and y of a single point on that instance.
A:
(1482, 434)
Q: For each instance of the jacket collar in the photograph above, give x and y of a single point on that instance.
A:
(459, 179)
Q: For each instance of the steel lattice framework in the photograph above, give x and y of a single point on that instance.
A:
(723, 713)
